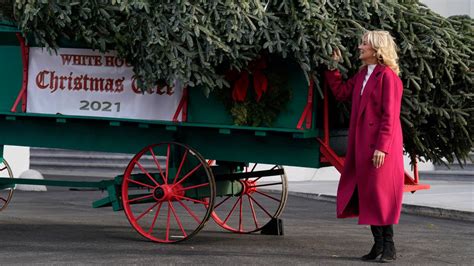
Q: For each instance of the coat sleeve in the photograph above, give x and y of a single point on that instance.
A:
(341, 90)
(391, 104)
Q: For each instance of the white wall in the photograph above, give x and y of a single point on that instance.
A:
(18, 158)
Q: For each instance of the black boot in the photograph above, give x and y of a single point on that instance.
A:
(377, 248)
(389, 253)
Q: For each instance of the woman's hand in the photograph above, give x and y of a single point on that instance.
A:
(336, 58)
(336, 55)
(378, 159)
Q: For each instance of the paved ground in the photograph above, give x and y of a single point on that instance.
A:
(60, 227)
(449, 195)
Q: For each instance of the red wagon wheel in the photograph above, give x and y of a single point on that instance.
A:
(167, 190)
(261, 199)
(6, 194)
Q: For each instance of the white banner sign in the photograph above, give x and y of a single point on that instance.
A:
(88, 83)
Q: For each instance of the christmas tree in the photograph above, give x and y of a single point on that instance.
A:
(194, 40)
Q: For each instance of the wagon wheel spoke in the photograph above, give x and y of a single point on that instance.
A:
(220, 203)
(177, 208)
(267, 184)
(170, 204)
(188, 175)
(141, 184)
(261, 207)
(193, 187)
(180, 166)
(167, 163)
(139, 198)
(157, 163)
(253, 212)
(240, 214)
(5, 194)
(146, 173)
(254, 166)
(266, 196)
(155, 218)
(193, 200)
(189, 211)
(232, 210)
(168, 224)
(147, 211)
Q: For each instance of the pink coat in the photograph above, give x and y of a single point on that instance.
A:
(373, 194)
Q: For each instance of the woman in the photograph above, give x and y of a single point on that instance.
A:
(371, 184)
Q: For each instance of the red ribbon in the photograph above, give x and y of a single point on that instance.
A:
(240, 87)
(241, 80)
(260, 84)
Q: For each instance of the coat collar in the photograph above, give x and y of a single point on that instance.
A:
(369, 87)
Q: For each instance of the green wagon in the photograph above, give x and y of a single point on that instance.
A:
(183, 172)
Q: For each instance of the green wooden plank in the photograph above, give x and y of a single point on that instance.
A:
(97, 135)
(114, 193)
(5, 186)
(171, 128)
(114, 123)
(172, 125)
(59, 183)
(8, 26)
(104, 202)
(224, 131)
(306, 134)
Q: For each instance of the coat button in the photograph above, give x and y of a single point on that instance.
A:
(372, 146)
(371, 123)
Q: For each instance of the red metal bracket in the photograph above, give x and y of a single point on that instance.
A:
(182, 107)
(307, 115)
(329, 155)
(412, 183)
(25, 50)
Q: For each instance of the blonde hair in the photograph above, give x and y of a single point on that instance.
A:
(386, 49)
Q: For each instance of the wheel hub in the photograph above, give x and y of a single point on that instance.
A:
(168, 192)
(249, 186)
(159, 193)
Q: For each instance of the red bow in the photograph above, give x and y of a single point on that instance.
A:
(241, 80)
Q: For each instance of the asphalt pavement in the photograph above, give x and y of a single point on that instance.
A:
(60, 227)
(444, 199)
